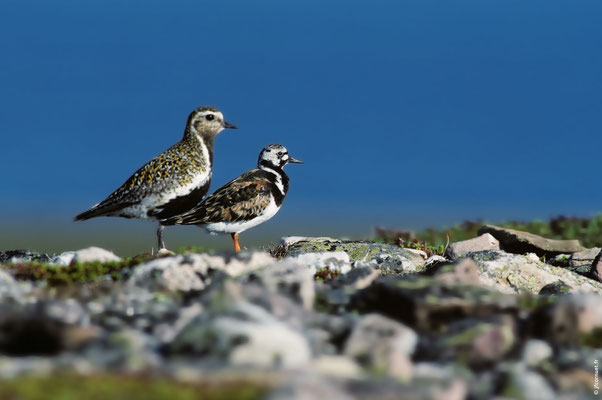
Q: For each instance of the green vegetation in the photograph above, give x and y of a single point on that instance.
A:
(75, 272)
(194, 249)
(326, 274)
(102, 387)
(587, 230)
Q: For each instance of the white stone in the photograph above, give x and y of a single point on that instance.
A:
(268, 342)
(337, 366)
(85, 255)
(536, 351)
(335, 260)
(192, 271)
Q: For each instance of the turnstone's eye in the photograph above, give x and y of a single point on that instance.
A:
(279, 154)
(209, 117)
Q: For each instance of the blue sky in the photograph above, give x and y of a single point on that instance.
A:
(406, 113)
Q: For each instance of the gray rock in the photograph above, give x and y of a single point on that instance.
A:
(427, 304)
(23, 256)
(193, 272)
(245, 335)
(464, 272)
(596, 267)
(383, 345)
(479, 343)
(128, 350)
(337, 293)
(575, 260)
(527, 383)
(386, 257)
(9, 288)
(481, 243)
(334, 260)
(337, 366)
(513, 273)
(310, 386)
(536, 351)
(519, 242)
(291, 278)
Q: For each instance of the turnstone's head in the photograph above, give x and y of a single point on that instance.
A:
(208, 121)
(275, 156)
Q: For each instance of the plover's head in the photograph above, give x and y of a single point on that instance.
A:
(275, 156)
(208, 121)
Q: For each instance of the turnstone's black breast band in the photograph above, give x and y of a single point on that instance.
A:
(245, 202)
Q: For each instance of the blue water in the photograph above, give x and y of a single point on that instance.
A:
(406, 113)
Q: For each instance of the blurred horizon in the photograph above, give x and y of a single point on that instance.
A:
(407, 114)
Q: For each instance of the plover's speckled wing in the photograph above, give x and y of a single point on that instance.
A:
(242, 199)
(177, 175)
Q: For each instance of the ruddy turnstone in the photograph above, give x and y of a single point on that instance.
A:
(245, 202)
(171, 183)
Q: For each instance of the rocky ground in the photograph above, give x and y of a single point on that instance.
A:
(504, 315)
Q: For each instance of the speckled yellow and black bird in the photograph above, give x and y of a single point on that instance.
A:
(245, 202)
(171, 183)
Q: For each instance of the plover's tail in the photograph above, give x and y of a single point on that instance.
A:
(102, 210)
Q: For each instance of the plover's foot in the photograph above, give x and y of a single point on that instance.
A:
(165, 253)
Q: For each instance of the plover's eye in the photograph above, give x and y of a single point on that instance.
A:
(209, 117)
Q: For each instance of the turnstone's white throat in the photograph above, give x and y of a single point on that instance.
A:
(171, 183)
(245, 202)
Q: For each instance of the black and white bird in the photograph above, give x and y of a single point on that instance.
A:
(245, 202)
(171, 183)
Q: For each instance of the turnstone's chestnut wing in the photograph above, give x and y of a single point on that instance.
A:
(242, 199)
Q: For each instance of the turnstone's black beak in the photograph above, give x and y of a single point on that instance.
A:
(228, 125)
(294, 160)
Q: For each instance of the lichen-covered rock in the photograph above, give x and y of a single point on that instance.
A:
(572, 319)
(425, 303)
(514, 273)
(519, 242)
(478, 343)
(291, 278)
(386, 257)
(189, 272)
(383, 344)
(334, 260)
(244, 335)
(480, 243)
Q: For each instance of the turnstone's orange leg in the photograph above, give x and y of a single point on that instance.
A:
(235, 240)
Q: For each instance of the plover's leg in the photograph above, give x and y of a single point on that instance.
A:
(162, 250)
(160, 242)
(235, 240)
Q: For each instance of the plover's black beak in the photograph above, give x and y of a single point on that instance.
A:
(294, 160)
(228, 125)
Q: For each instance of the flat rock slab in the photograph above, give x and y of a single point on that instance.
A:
(484, 242)
(388, 258)
(514, 273)
(519, 242)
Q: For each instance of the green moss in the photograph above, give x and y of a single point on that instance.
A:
(102, 387)
(593, 339)
(194, 249)
(76, 272)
